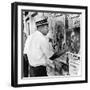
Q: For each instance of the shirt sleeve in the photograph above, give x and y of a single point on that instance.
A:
(45, 47)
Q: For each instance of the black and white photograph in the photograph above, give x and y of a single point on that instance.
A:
(50, 44)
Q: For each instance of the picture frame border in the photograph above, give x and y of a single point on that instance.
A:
(14, 43)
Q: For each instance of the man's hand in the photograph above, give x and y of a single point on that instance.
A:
(59, 53)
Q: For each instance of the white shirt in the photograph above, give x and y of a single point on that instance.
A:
(37, 49)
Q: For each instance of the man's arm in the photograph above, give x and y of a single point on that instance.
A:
(58, 54)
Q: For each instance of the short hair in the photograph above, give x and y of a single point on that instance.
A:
(77, 30)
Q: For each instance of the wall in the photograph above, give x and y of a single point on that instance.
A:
(5, 46)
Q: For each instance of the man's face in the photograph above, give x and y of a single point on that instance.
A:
(45, 29)
(75, 41)
(73, 37)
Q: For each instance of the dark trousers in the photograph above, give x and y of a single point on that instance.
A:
(38, 71)
(25, 66)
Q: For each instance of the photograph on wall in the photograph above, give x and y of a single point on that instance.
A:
(51, 44)
(62, 35)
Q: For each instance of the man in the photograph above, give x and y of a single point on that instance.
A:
(38, 51)
(75, 40)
